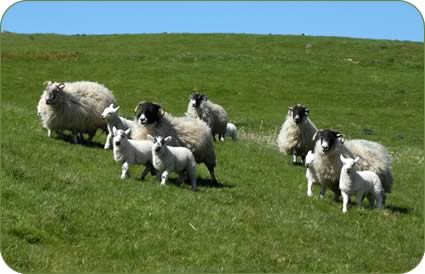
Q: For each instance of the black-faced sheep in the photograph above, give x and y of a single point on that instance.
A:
(296, 135)
(214, 115)
(185, 131)
(74, 106)
(327, 164)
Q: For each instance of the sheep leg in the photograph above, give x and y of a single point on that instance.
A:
(164, 177)
(380, 200)
(303, 159)
(145, 172)
(49, 133)
(359, 199)
(294, 158)
(74, 137)
(221, 137)
(192, 176)
(322, 191)
(91, 134)
(125, 173)
(345, 197)
(213, 135)
(211, 171)
(309, 188)
(108, 142)
(371, 197)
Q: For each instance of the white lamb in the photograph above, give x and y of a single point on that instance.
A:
(114, 120)
(296, 135)
(75, 106)
(167, 159)
(310, 174)
(359, 183)
(231, 131)
(130, 152)
(214, 115)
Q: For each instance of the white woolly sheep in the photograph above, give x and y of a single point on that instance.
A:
(193, 134)
(214, 115)
(130, 152)
(296, 135)
(167, 159)
(327, 164)
(110, 114)
(231, 131)
(74, 106)
(359, 183)
(310, 174)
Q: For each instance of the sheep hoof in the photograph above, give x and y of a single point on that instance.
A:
(123, 177)
(309, 194)
(107, 147)
(321, 196)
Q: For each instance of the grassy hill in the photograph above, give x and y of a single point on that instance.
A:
(64, 208)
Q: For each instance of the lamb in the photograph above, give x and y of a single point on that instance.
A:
(74, 106)
(296, 135)
(310, 174)
(327, 164)
(168, 159)
(130, 152)
(114, 120)
(360, 183)
(231, 131)
(214, 115)
(193, 134)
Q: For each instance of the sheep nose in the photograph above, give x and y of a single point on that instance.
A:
(325, 148)
(117, 143)
(193, 105)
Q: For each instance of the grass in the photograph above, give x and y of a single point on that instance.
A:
(64, 208)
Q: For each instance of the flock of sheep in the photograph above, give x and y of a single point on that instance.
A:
(164, 144)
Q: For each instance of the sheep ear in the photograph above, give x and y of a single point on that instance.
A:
(205, 98)
(150, 138)
(340, 138)
(342, 158)
(290, 108)
(61, 86)
(111, 105)
(114, 130)
(357, 159)
(307, 111)
(161, 112)
(316, 135)
(117, 108)
(168, 139)
(47, 83)
(127, 132)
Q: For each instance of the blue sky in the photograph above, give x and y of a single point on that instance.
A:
(378, 20)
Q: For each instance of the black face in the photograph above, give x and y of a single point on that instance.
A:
(299, 113)
(328, 138)
(51, 97)
(148, 113)
(196, 99)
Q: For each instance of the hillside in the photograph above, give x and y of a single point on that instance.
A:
(64, 207)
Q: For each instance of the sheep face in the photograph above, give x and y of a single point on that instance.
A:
(148, 113)
(328, 138)
(109, 112)
(348, 164)
(159, 142)
(53, 93)
(120, 136)
(196, 99)
(299, 113)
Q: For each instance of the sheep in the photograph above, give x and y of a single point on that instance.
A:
(310, 174)
(231, 131)
(110, 114)
(327, 164)
(167, 159)
(214, 115)
(185, 131)
(296, 135)
(360, 183)
(130, 152)
(74, 106)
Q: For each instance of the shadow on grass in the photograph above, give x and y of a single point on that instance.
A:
(85, 143)
(200, 182)
(398, 209)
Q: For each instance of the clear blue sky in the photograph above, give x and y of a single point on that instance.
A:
(379, 20)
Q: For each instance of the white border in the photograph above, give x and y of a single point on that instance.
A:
(5, 4)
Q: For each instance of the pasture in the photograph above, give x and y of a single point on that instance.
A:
(65, 209)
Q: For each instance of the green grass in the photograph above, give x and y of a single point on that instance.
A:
(64, 208)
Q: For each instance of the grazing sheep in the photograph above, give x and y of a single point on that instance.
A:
(129, 152)
(168, 159)
(231, 131)
(296, 135)
(185, 131)
(327, 164)
(214, 115)
(114, 120)
(359, 183)
(310, 174)
(74, 106)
